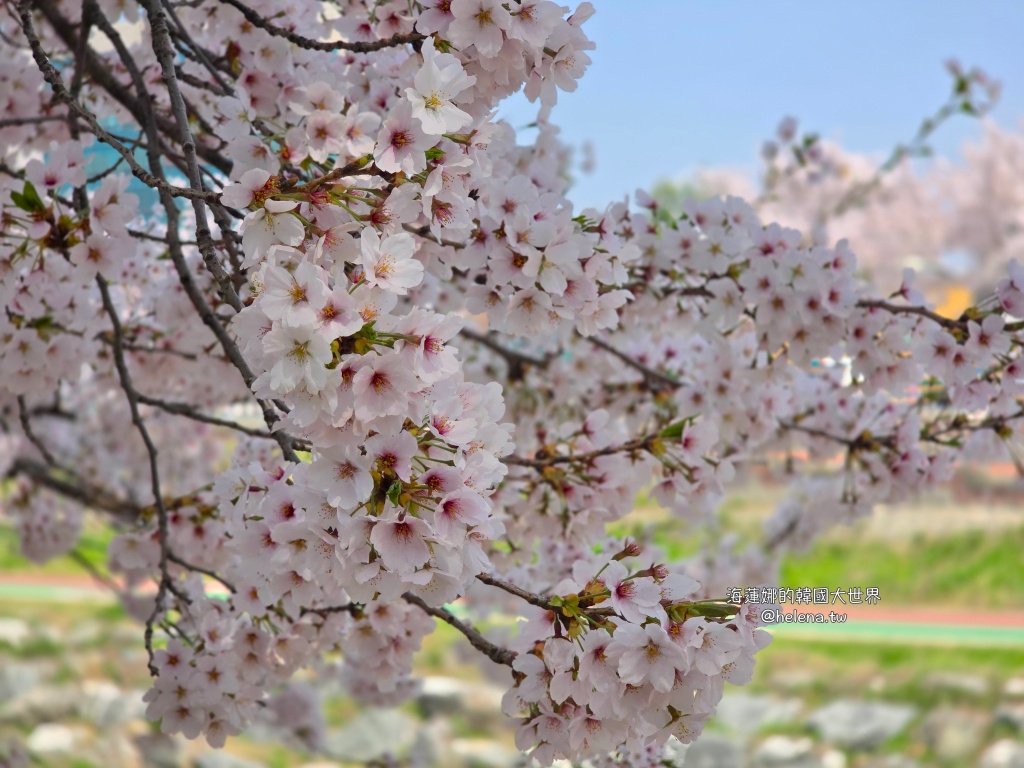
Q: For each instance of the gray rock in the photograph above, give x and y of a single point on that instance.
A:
(85, 633)
(954, 733)
(744, 713)
(786, 752)
(1011, 714)
(482, 753)
(16, 678)
(794, 680)
(50, 738)
(13, 754)
(860, 724)
(442, 696)
(372, 735)
(713, 751)
(960, 682)
(675, 752)
(14, 632)
(42, 704)
(1005, 753)
(892, 761)
(126, 635)
(218, 759)
(426, 749)
(158, 750)
(106, 706)
(112, 747)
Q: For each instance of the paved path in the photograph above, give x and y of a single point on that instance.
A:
(911, 626)
(864, 623)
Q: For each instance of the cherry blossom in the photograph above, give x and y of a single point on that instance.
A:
(436, 378)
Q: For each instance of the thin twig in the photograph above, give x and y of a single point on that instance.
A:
(650, 375)
(495, 653)
(23, 415)
(539, 600)
(199, 569)
(517, 362)
(184, 409)
(315, 45)
(899, 309)
(166, 582)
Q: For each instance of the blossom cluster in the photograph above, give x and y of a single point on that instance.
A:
(435, 379)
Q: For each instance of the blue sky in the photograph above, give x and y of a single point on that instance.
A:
(678, 84)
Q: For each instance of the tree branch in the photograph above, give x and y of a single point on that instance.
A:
(52, 76)
(650, 374)
(538, 600)
(495, 653)
(166, 582)
(315, 45)
(84, 493)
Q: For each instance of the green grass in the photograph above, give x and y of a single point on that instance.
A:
(33, 648)
(835, 669)
(971, 569)
(92, 545)
(820, 672)
(980, 569)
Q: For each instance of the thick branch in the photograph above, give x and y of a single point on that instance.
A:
(86, 494)
(102, 76)
(52, 76)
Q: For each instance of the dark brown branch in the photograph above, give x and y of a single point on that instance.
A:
(97, 575)
(543, 461)
(361, 166)
(164, 51)
(198, 569)
(26, 426)
(200, 53)
(495, 653)
(517, 362)
(131, 347)
(352, 608)
(539, 600)
(166, 582)
(899, 309)
(14, 121)
(184, 409)
(101, 75)
(315, 45)
(650, 375)
(56, 82)
(84, 493)
(425, 232)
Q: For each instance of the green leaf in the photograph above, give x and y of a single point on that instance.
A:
(675, 431)
(713, 610)
(395, 491)
(28, 200)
